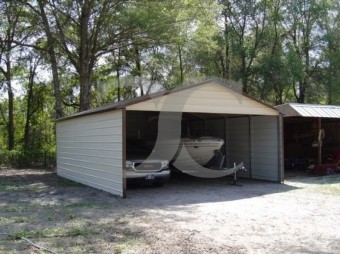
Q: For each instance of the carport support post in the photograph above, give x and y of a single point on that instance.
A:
(319, 143)
(124, 152)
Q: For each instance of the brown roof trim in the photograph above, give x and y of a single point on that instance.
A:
(136, 100)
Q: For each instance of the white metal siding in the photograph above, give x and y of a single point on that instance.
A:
(265, 162)
(209, 98)
(89, 151)
(238, 143)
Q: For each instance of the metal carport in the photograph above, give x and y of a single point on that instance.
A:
(91, 144)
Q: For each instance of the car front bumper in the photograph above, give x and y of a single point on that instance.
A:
(163, 176)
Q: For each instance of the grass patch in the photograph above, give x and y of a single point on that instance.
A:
(56, 232)
(13, 209)
(83, 250)
(50, 218)
(3, 219)
(125, 244)
(87, 204)
(68, 183)
(12, 186)
(71, 217)
(18, 219)
(19, 186)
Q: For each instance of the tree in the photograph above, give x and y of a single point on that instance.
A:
(301, 25)
(34, 100)
(272, 84)
(331, 52)
(51, 49)
(245, 23)
(11, 31)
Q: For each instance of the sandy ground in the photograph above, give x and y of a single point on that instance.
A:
(188, 215)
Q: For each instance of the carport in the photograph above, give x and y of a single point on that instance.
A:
(91, 145)
(311, 134)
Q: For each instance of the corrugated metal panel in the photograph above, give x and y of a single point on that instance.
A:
(265, 149)
(229, 94)
(309, 110)
(89, 151)
(208, 98)
(238, 142)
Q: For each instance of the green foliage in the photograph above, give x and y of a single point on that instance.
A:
(31, 158)
(279, 50)
(8, 158)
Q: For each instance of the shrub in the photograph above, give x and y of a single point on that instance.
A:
(28, 158)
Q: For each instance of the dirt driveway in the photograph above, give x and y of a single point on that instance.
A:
(188, 215)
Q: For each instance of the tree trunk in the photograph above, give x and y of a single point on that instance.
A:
(226, 70)
(329, 91)
(118, 75)
(221, 61)
(300, 95)
(54, 65)
(244, 74)
(181, 64)
(139, 71)
(84, 63)
(28, 111)
(10, 94)
(118, 83)
(10, 116)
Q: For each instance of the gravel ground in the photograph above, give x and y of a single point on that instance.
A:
(188, 215)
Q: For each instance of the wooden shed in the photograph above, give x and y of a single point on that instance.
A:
(91, 145)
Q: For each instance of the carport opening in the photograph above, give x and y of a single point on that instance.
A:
(301, 143)
(234, 130)
(143, 126)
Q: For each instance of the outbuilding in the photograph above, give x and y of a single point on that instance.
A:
(91, 145)
(311, 135)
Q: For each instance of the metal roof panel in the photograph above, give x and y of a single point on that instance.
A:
(309, 110)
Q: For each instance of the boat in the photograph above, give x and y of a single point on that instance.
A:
(194, 153)
(201, 149)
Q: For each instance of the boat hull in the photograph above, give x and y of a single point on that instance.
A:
(201, 149)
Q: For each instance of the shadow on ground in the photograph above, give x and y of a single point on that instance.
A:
(72, 218)
(182, 189)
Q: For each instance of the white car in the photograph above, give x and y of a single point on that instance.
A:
(141, 169)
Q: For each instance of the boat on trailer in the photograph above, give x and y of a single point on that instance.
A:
(192, 154)
(200, 149)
